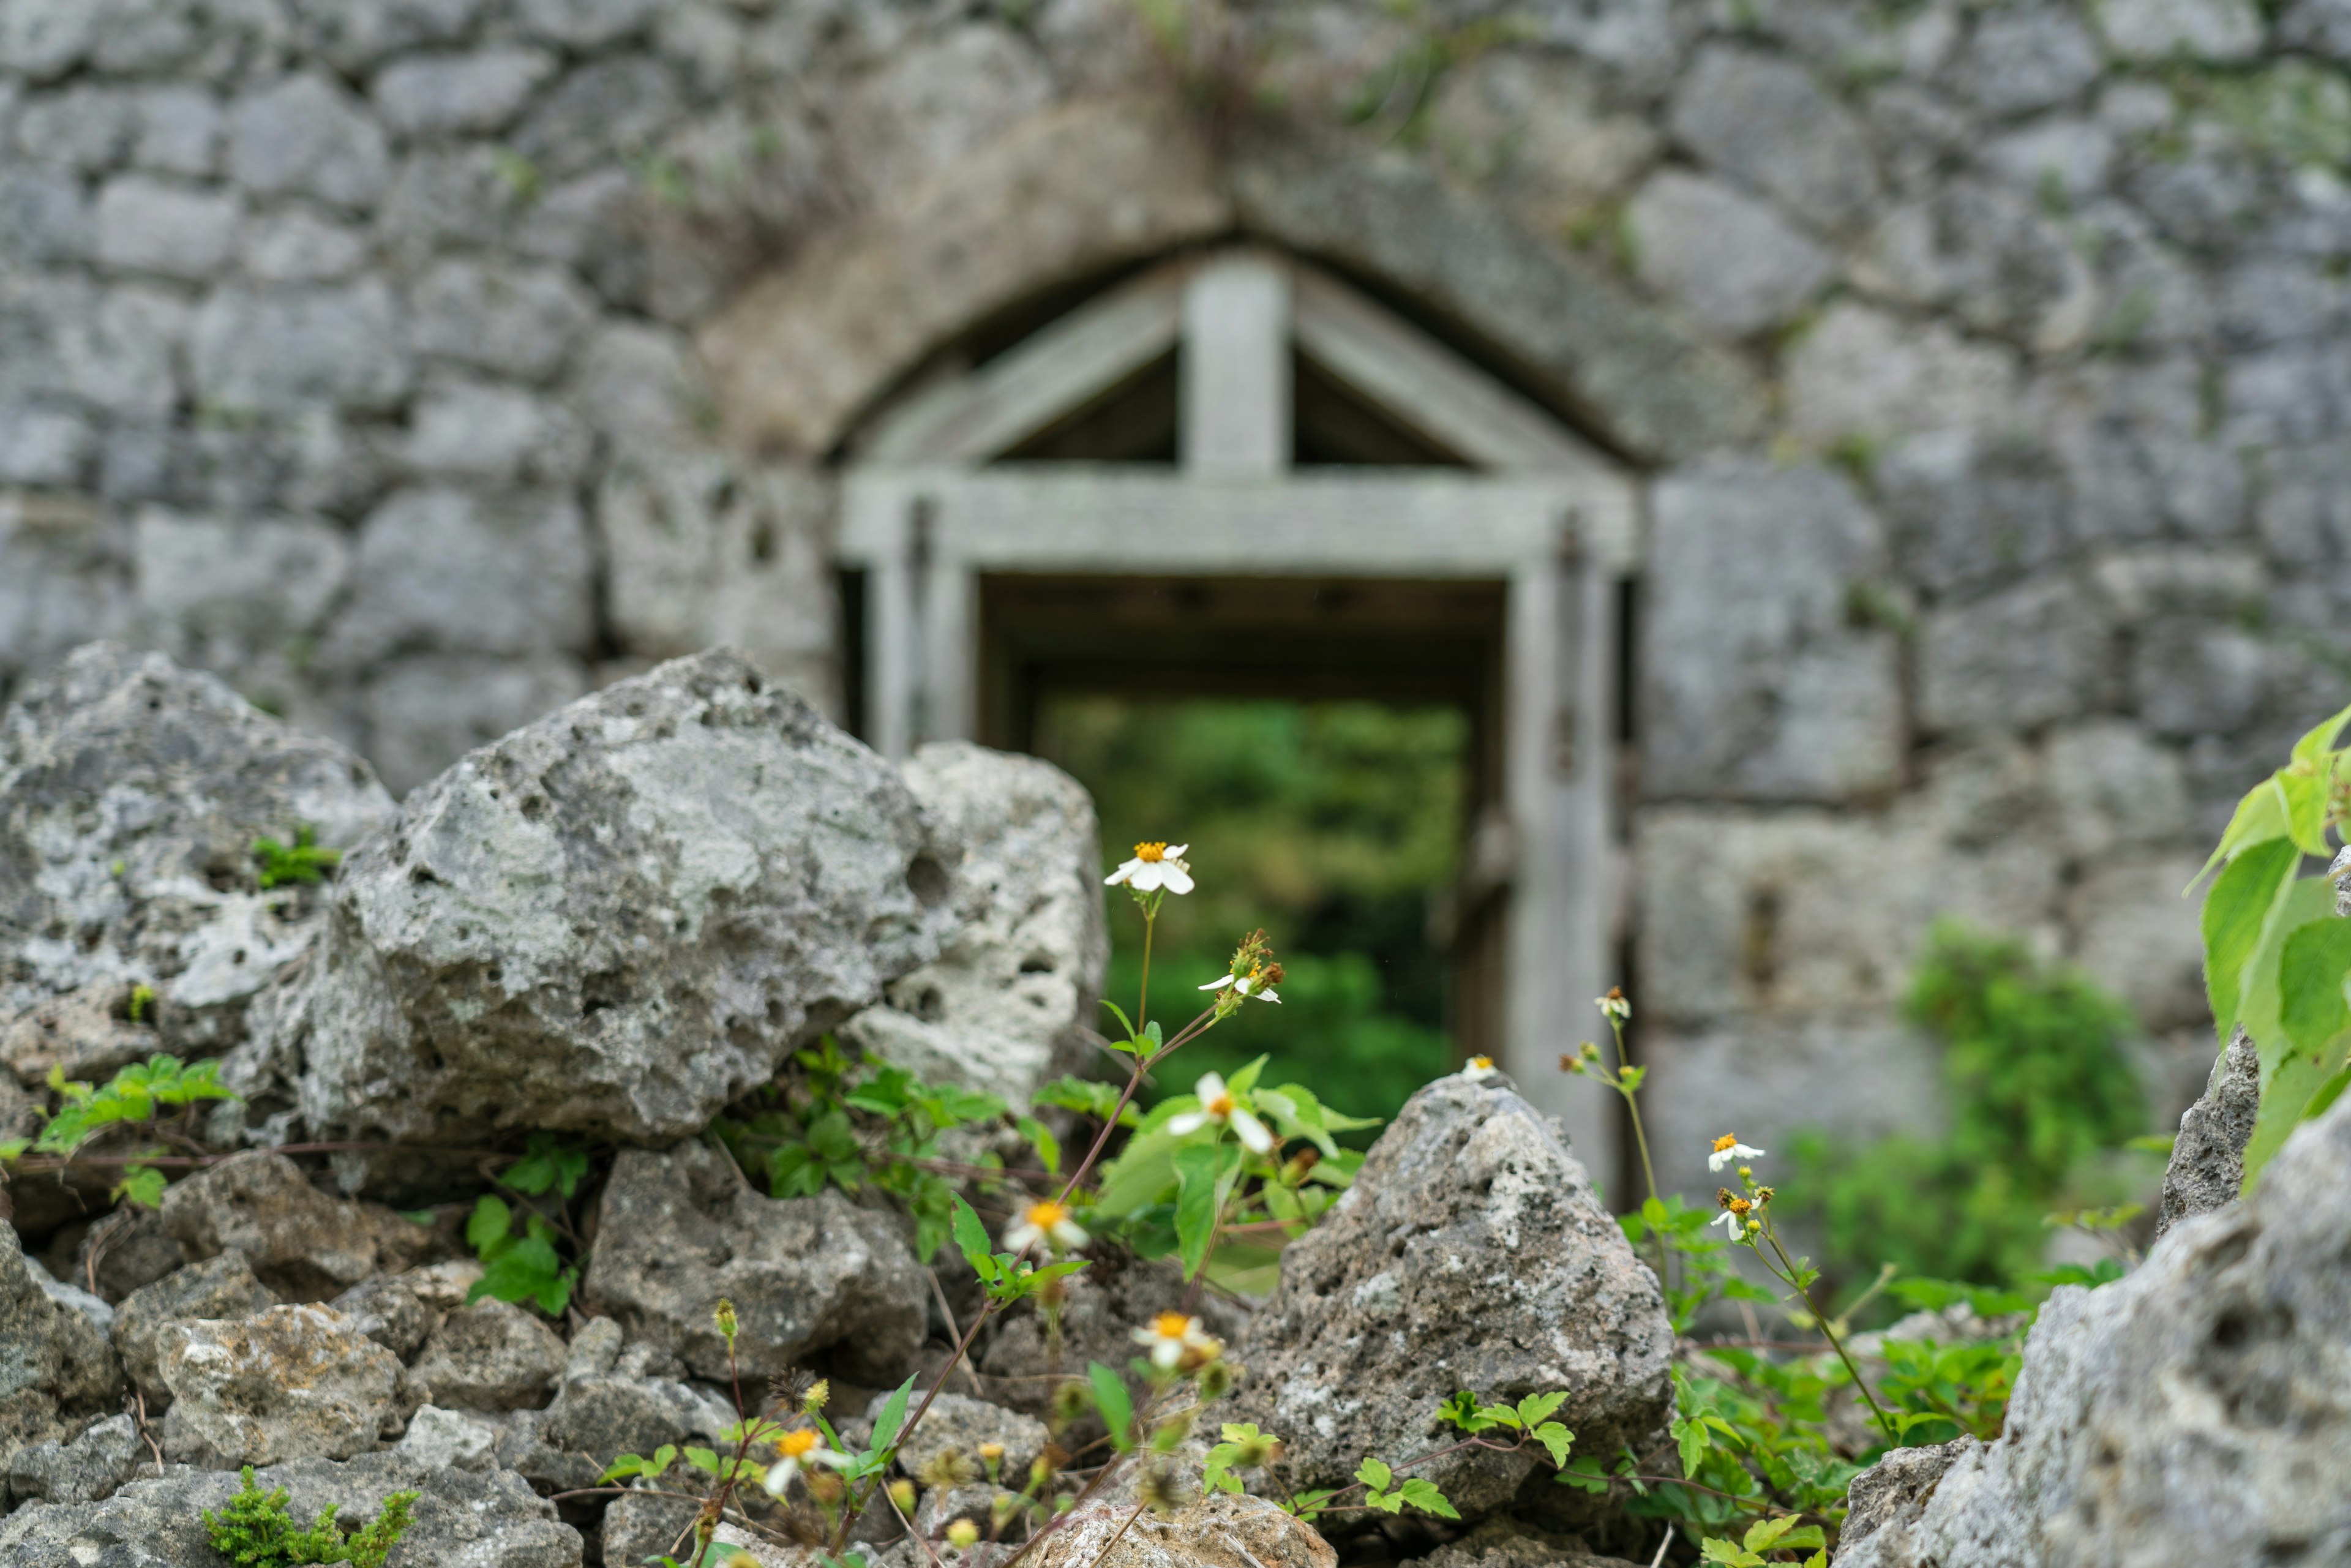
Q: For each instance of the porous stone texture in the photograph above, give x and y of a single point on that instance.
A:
(959, 1422)
(219, 1289)
(693, 855)
(440, 1439)
(388, 1310)
(306, 1246)
(91, 1467)
(2191, 1413)
(288, 1383)
(2207, 1168)
(808, 1276)
(1107, 1302)
(1219, 1531)
(131, 791)
(1500, 1543)
(57, 1373)
(616, 1399)
(460, 1520)
(1396, 1300)
(1006, 1005)
(492, 1355)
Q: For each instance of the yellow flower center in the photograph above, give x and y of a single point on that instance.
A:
(1222, 1106)
(1481, 1063)
(1150, 852)
(1726, 1141)
(1738, 1206)
(797, 1445)
(1046, 1215)
(1170, 1325)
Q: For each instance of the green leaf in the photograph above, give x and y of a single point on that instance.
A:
(1041, 1138)
(1242, 1081)
(490, 1222)
(1692, 1438)
(2303, 796)
(1119, 1013)
(2313, 747)
(1117, 1409)
(1716, 1550)
(703, 1460)
(2259, 817)
(2235, 912)
(1557, 1438)
(1198, 1191)
(971, 1238)
(556, 1294)
(1373, 1474)
(892, 1417)
(2289, 1077)
(2311, 967)
(141, 1187)
(1765, 1533)
(1424, 1494)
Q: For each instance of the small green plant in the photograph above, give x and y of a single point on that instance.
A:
(141, 1003)
(254, 1530)
(520, 1260)
(303, 862)
(135, 1099)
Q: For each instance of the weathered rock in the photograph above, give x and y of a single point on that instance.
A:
(1733, 263)
(615, 1402)
(126, 1251)
(1007, 1006)
(2193, 1413)
(1106, 1303)
(492, 1355)
(637, 1526)
(1218, 1531)
(1890, 1494)
(806, 1275)
(1470, 1253)
(304, 1245)
(388, 1310)
(1499, 1543)
(959, 1422)
(449, 1439)
(942, 1506)
(90, 1308)
(462, 1520)
(288, 1383)
(57, 1371)
(130, 794)
(612, 921)
(220, 1289)
(2208, 1157)
(84, 1470)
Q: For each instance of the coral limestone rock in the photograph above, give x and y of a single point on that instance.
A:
(290, 1383)
(1470, 1253)
(612, 921)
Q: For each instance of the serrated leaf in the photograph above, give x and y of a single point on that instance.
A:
(1117, 1409)
(1423, 1494)
(2259, 817)
(1557, 1438)
(489, 1222)
(1764, 1534)
(1691, 1437)
(2312, 969)
(703, 1460)
(2236, 911)
(1041, 1138)
(2316, 743)
(1375, 1474)
(2303, 796)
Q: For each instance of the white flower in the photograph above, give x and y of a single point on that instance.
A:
(1730, 1222)
(1614, 1005)
(800, 1449)
(1479, 1068)
(1154, 866)
(1171, 1336)
(1726, 1149)
(1047, 1222)
(1246, 984)
(1217, 1103)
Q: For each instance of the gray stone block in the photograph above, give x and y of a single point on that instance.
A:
(153, 226)
(179, 131)
(517, 321)
(2322, 26)
(608, 110)
(1763, 119)
(1861, 370)
(584, 24)
(2151, 30)
(280, 351)
(438, 94)
(306, 136)
(2305, 512)
(44, 217)
(47, 447)
(1969, 510)
(448, 570)
(1540, 130)
(1783, 690)
(936, 100)
(297, 245)
(1731, 262)
(2021, 657)
(1985, 255)
(44, 39)
(464, 429)
(224, 594)
(2114, 789)
(640, 385)
(2029, 58)
(2070, 153)
(2194, 678)
(2135, 937)
(354, 34)
(60, 580)
(87, 128)
(2207, 1169)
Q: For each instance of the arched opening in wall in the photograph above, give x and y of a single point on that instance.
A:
(1232, 491)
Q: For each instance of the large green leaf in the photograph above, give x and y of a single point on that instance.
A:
(1117, 1407)
(2288, 1077)
(1196, 1203)
(2301, 791)
(2313, 747)
(1140, 1176)
(2312, 966)
(2235, 912)
(2259, 817)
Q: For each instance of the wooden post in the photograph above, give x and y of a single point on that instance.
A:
(1235, 421)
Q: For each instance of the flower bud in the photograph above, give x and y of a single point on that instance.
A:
(725, 1318)
(902, 1495)
(814, 1400)
(963, 1535)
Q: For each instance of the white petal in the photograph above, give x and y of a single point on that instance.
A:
(1022, 1237)
(1252, 1133)
(1219, 983)
(1189, 1121)
(1210, 1088)
(1175, 851)
(1122, 873)
(779, 1475)
(1070, 1236)
(1267, 995)
(1177, 879)
(827, 1457)
(1715, 1161)
(1166, 1353)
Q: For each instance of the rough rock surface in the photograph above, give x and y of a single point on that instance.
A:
(290, 1383)
(57, 1371)
(222, 1290)
(492, 1355)
(84, 1470)
(462, 1520)
(1004, 1005)
(1215, 1531)
(131, 791)
(613, 1401)
(1106, 1304)
(959, 1422)
(2208, 1158)
(1499, 1544)
(806, 1275)
(127, 1251)
(637, 1526)
(386, 1309)
(2192, 1413)
(1470, 1253)
(306, 1246)
(612, 921)
(449, 1439)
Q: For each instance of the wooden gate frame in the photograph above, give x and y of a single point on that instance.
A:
(928, 509)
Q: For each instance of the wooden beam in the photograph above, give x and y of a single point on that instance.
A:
(1427, 389)
(1057, 372)
(1235, 373)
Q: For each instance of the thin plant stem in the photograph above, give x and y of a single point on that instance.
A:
(1142, 1000)
(1631, 1102)
(1885, 1422)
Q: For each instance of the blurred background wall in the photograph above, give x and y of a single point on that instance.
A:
(1981, 372)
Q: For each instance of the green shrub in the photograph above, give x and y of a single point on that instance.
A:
(254, 1530)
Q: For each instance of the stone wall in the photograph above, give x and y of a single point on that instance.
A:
(1990, 362)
